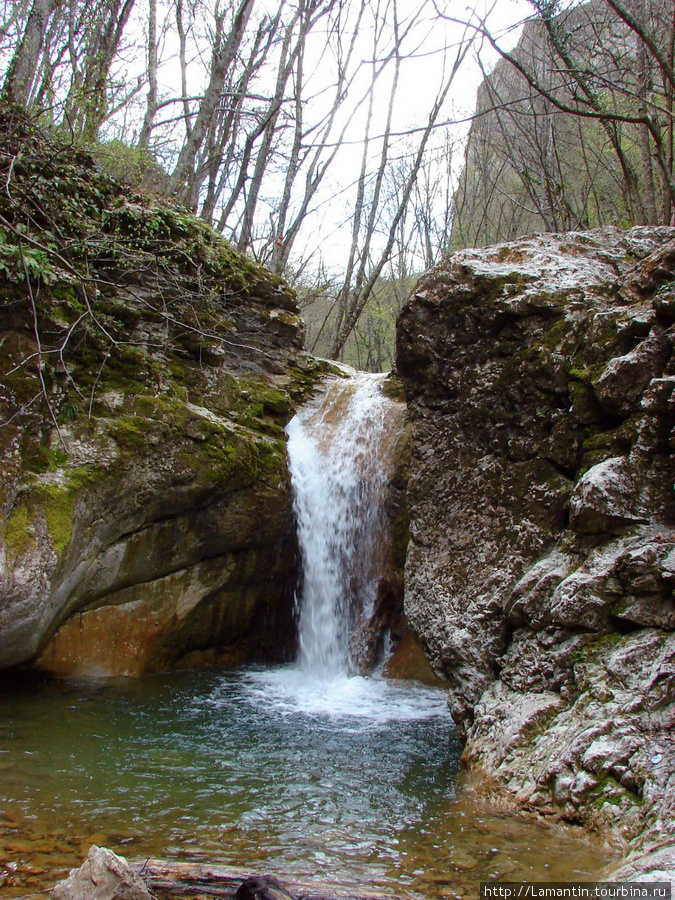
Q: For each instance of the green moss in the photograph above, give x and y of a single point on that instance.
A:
(392, 387)
(177, 371)
(123, 312)
(592, 650)
(609, 790)
(581, 394)
(58, 504)
(215, 452)
(66, 292)
(230, 458)
(272, 456)
(18, 537)
(223, 460)
(38, 458)
(226, 459)
(130, 433)
(179, 392)
(554, 339)
(607, 331)
(256, 403)
(586, 374)
(603, 441)
(489, 288)
(274, 403)
(618, 440)
(286, 318)
(306, 376)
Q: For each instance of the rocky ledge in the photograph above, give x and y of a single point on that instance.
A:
(540, 381)
(147, 373)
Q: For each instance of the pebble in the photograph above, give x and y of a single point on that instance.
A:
(463, 861)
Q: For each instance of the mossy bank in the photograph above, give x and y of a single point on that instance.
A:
(148, 371)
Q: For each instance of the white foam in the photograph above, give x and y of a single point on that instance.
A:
(367, 702)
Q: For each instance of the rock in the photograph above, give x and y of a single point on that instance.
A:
(657, 865)
(103, 876)
(262, 887)
(605, 498)
(462, 860)
(625, 378)
(540, 573)
(145, 510)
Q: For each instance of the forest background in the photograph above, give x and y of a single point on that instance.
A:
(341, 143)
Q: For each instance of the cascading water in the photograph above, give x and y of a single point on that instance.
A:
(335, 447)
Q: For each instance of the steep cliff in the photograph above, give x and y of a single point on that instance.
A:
(540, 380)
(147, 373)
(535, 160)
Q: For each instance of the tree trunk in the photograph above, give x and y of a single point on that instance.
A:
(183, 175)
(24, 65)
(178, 880)
(151, 105)
(98, 68)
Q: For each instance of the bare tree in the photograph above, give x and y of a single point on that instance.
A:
(226, 46)
(354, 296)
(23, 68)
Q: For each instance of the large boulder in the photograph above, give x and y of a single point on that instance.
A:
(103, 876)
(539, 377)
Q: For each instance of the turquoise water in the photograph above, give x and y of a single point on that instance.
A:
(351, 780)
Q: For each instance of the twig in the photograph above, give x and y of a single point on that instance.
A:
(22, 409)
(96, 380)
(9, 178)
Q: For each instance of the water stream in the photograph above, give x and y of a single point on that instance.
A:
(308, 770)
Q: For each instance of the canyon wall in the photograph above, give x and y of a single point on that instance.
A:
(540, 381)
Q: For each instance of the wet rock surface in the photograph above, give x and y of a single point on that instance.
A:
(540, 382)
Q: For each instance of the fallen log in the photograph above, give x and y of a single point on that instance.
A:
(179, 881)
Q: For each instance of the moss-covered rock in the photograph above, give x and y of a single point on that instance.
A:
(148, 372)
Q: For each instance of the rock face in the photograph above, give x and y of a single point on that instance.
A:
(148, 371)
(540, 381)
(159, 531)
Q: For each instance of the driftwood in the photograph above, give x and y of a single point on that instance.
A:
(181, 881)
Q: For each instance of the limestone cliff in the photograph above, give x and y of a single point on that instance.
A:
(540, 380)
(147, 373)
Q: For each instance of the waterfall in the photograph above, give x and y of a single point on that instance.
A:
(336, 450)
